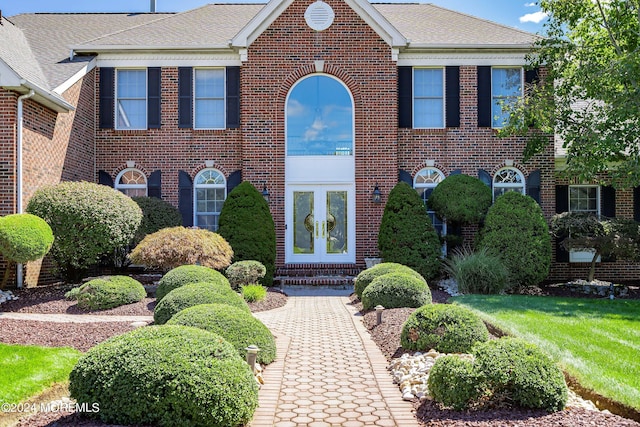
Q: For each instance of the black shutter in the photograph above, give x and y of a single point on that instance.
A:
(636, 204)
(185, 198)
(452, 93)
(153, 97)
(608, 207)
(154, 185)
(404, 176)
(107, 97)
(532, 76)
(105, 179)
(233, 97)
(562, 205)
(235, 179)
(185, 93)
(533, 185)
(456, 172)
(405, 97)
(484, 97)
(485, 177)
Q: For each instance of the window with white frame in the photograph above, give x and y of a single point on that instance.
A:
(428, 97)
(586, 199)
(506, 88)
(131, 99)
(209, 92)
(131, 182)
(508, 179)
(210, 192)
(424, 182)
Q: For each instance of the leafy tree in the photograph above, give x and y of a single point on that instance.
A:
(591, 95)
(406, 235)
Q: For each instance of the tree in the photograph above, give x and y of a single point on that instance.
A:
(605, 237)
(406, 235)
(591, 95)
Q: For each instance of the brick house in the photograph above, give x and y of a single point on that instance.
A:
(318, 103)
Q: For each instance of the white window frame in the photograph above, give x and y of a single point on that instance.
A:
(413, 98)
(425, 186)
(494, 97)
(123, 187)
(512, 186)
(584, 255)
(146, 98)
(197, 186)
(224, 98)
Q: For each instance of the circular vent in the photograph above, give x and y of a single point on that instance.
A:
(319, 16)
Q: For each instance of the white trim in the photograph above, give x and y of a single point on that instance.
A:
(120, 187)
(205, 186)
(259, 23)
(168, 60)
(8, 77)
(439, 59)
(62, 88)
(522, 186)
(598, 196)
(413, 98)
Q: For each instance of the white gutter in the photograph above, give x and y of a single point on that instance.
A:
(21, 98)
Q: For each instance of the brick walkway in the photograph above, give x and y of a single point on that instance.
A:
(328, 371)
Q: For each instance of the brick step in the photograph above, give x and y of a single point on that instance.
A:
(318, 270)
(317, 280)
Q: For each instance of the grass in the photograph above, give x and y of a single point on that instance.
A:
(596, 341)
(28, 370)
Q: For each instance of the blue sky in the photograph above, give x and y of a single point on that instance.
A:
(508, 12)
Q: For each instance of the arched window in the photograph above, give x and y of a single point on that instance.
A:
(210, 192)
(507, 179)
(424, 183)
(131, 182)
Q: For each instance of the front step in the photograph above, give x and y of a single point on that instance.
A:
(341, 281)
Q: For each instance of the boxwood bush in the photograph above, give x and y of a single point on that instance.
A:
(447, 328)
(477, 272)
(108, 292)
(365, 277)
(184, 274)
(455, 382)
(233, 324)
(193, 294)
(166, 376)
(395, 290)
(89, 221)
(461, 199)
(245, 272)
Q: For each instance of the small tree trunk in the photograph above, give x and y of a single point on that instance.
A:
(592, 269)
(7, 273)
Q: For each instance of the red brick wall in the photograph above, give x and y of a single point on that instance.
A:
(8, 106)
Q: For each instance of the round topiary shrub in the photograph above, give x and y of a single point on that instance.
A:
(235, 325)
(515, 231)
(406, 235)
(88, 221)
(522, 373)
(477, 272)
(447, 328)
(461, 199)
(156, 215)
(395, 290)
(166, 376)
(193, 294)
(108, 292)
(247, 224)
(245, 272)
(365, 277)
(176, 246)
(184, 274)
(455, 382)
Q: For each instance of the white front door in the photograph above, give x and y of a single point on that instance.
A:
(320, 224)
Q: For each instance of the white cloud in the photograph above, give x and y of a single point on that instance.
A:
(295, 108)
(535, 17)
(313, 132)
(532, 4)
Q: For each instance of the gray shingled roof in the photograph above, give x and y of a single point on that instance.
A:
(16, 52)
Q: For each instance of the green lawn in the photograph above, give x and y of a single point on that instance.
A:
(597, 341)
(28, 370)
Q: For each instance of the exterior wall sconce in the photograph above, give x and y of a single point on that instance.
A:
(265, 193)
(376, 196)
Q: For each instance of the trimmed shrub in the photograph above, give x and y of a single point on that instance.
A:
(461, 199)
(365, 277)
(245, 272)
(233, 324)
(406, 235)
(88, 221)
(247, 224)
(521, 372)
(156, 215)
(193, 294)
(477, 272)
(184, 274)
(107, 292)
(515, 231)
(176, 246)
(166, 376)
(455, 382)
(253, 293)
(395, 290)
(447, 328)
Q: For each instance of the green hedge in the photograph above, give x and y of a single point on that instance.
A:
(184, 274)
(365, 277)
(24, 237)
(166, 376)
(156, 215)
(461, 199)
(108, 292)
(455, 382)
(395, 290)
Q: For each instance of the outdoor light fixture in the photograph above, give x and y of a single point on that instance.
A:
(376, 196)
(265, 192)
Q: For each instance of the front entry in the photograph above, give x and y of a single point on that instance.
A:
(320, 226)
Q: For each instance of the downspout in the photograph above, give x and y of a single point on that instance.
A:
(21, 98)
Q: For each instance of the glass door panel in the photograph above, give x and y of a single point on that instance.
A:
(336, 222)
(303, 222)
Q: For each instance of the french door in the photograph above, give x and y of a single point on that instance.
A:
(320, 224)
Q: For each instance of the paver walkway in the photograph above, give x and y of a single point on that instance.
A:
(328, 372)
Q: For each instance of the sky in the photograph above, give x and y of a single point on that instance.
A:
(522, 14)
